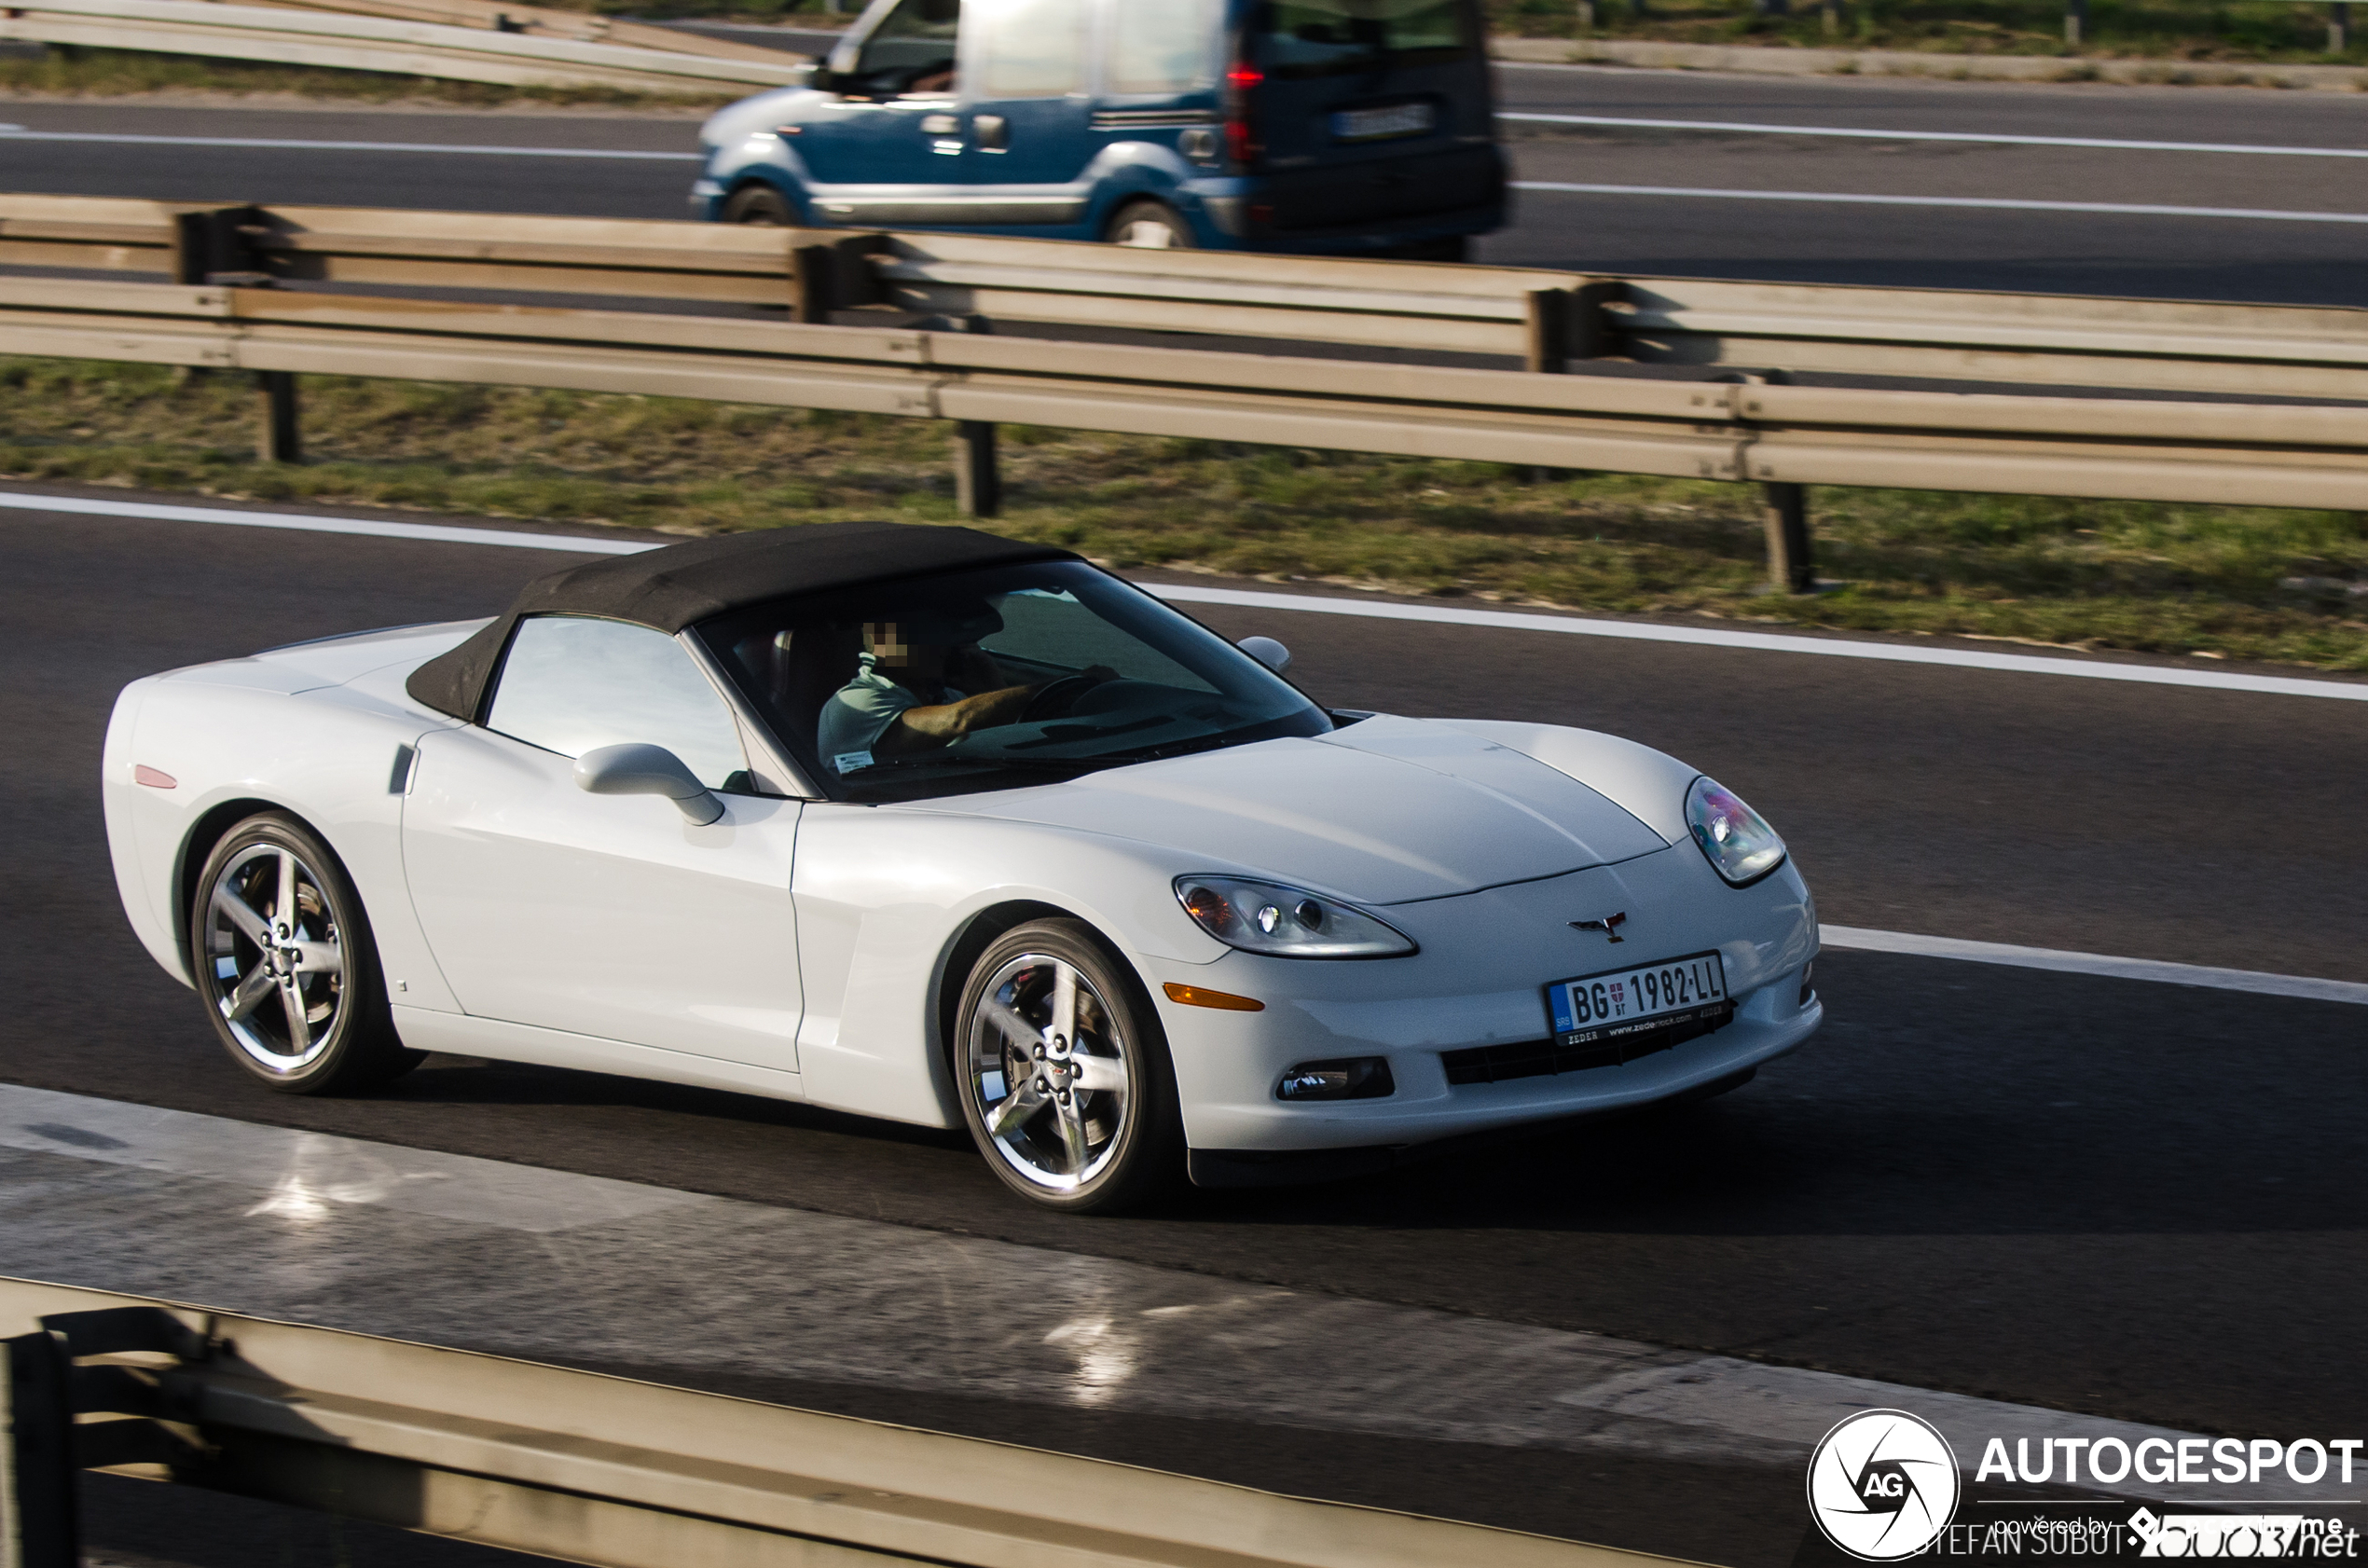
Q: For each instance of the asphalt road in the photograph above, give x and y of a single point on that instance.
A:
(1745, 234)
(2128, 1200)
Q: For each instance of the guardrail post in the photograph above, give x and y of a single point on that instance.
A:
(1789, 570)
(1583, 18)
(978, 484)
(814, 278)
(1592, 329)
(277, 438)
(1549, 342)
(2338, 26)
(210, 245)
(1829, 16)
(2075, 20)
(39, 1527)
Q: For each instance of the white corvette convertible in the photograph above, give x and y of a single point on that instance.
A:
(924, 824)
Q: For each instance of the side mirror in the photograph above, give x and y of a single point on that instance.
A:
(819, 78)
(646, 770)
(1268, 651)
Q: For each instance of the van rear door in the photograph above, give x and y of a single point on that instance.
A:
(1371, 112)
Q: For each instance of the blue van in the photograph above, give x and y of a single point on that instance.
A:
(1341, 127)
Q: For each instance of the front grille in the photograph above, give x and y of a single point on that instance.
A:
(1543, 1058)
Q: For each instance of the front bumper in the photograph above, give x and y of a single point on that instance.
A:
(1479, 981)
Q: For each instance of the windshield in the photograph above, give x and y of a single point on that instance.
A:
(989, 680)
(1336, 37)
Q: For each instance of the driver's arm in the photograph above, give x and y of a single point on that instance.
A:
(925, 729)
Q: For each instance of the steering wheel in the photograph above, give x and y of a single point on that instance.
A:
(1055, 699)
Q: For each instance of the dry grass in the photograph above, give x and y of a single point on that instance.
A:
(2253, 584)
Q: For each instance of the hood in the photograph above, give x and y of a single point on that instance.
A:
(777, 106)
(1385, 811)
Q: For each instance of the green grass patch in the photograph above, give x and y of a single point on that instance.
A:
(2198, 31)
(2289, 587)
(70, 70)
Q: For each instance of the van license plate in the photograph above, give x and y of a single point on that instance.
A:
(1374, 125)
(1639, 998)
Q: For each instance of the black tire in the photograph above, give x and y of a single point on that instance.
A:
(1458, 248)
(1132, 1135)
(1149, 224)
(759, 204)
(259, 973)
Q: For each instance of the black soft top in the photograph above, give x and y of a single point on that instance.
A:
(681, 585)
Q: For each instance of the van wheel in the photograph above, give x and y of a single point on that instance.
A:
(759, 204)
(1458, 248)
(1150, 225)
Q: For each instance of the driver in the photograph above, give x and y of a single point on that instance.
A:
(921, 684)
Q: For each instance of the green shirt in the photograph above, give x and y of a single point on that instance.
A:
(860, 712)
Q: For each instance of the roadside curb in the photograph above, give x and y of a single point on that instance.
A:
(1750, 59)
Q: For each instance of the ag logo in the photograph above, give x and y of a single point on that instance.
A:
(1882, 1485)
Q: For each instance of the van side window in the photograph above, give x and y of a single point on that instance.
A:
(910, 52)
(1032, 48)
(1164, 45)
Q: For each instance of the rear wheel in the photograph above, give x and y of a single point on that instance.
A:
(1150, 225)
(759, 204)
(1064, 1074)
(283, 957)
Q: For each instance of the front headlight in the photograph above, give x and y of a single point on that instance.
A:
(1740, 845)
(1285, 922)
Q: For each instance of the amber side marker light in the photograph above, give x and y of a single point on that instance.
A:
(1194, 996)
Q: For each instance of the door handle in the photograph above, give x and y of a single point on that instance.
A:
(991, 131)
(941, 125)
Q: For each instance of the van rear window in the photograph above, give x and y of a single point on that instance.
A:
(1340, 37)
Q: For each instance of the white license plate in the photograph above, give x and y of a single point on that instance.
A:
(1639, 999)
(1373, 124)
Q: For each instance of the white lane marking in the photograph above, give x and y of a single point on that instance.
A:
(1750, 128)
(1510, 620)
(372, 526)
(17, 133)
(2100, 964)
(1768, 643)
(309, 1176)
(1985, 204)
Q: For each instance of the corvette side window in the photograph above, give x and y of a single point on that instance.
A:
(570, 683)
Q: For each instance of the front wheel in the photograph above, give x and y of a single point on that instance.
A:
(283, 957)
(1064, 1074)
(759, 204)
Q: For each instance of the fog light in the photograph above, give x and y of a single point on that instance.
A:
(1808, 992)
(1361, 1077)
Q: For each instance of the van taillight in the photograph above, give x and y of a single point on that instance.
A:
(1240, 133)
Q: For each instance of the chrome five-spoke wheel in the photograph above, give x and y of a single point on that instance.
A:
(1049, 1069)
(283, 955)
(1061, 1080)
(276, 970)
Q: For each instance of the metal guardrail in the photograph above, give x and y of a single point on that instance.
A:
(537, 22)
(289, 35)
(1742, 428)
(1549, 320)
(600, 1469)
